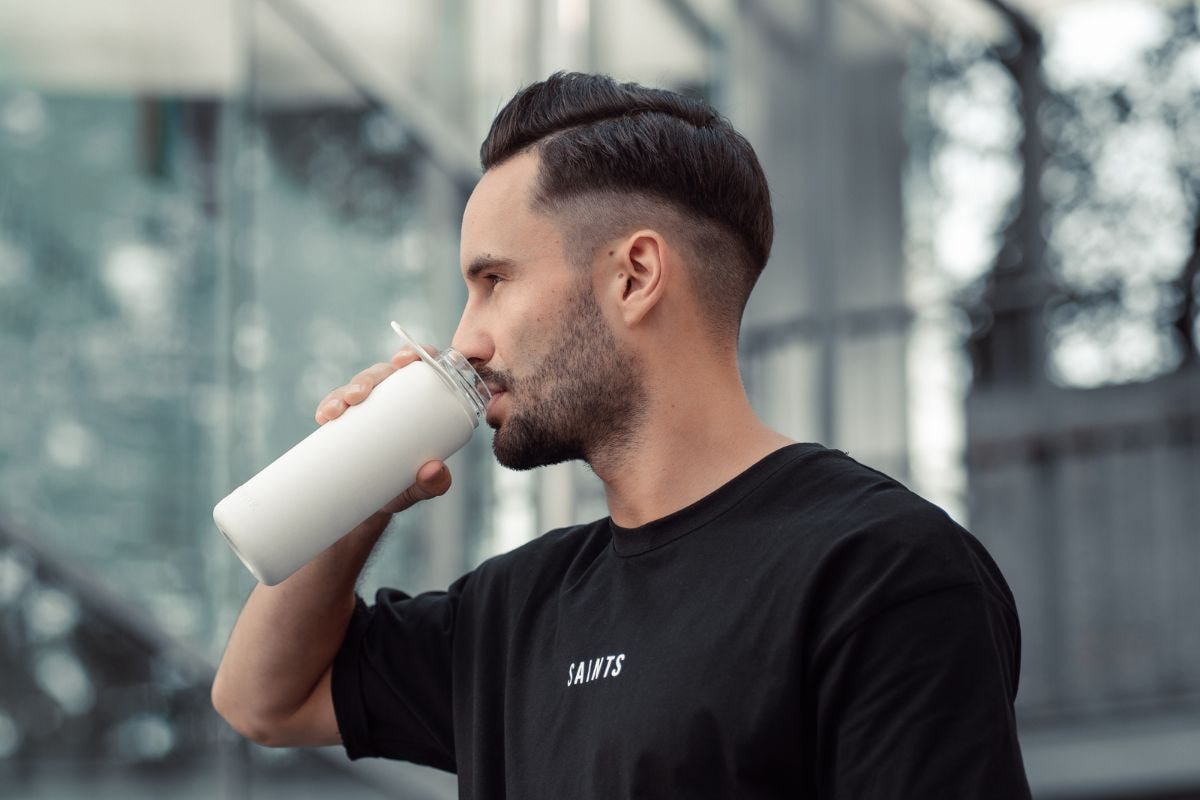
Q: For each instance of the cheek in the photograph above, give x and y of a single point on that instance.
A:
(529, 323)
(528, 326)
(511, 327)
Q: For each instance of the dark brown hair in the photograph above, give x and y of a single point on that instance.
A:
(612, 153)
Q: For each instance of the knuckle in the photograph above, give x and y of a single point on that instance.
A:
(368, 375)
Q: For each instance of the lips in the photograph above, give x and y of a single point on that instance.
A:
(491, 407)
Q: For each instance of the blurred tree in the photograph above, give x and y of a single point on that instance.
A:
(1096, 278)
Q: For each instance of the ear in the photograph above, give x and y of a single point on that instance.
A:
(639, 274)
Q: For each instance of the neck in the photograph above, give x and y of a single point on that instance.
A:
(698, 433)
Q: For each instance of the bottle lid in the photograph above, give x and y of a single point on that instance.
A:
(475, 389)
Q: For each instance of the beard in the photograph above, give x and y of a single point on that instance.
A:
(585, 399)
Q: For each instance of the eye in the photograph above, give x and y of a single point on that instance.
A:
(492, 278)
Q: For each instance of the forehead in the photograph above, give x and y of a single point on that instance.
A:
(499, 220)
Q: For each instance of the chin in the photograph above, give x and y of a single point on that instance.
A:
(519, 447)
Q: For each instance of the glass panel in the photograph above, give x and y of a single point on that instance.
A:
(111, 230)
(199, 237)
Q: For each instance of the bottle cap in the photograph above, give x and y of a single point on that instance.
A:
(476, 389)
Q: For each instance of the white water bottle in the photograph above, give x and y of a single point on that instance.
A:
(351, 466)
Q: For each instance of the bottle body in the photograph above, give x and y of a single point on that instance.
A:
(343, 472)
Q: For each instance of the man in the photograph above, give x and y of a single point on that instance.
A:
(757, 618)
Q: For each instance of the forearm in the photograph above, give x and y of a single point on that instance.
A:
(287, 635)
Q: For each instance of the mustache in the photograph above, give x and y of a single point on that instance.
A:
(496, 380)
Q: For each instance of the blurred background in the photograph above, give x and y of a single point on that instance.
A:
(984, 283)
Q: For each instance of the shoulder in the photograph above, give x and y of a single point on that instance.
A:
(870, 544)
(886, 522)
(863, 539)
(835, 505)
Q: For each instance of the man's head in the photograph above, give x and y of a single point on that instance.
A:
(605, 211)
(618, 156)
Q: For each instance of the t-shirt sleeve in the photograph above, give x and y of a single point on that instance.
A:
(392, 677)
(917, 701)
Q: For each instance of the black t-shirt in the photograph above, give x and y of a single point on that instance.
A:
(811, 629)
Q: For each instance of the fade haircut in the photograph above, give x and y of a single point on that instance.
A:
(615, 157)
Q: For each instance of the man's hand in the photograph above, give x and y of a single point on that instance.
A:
(433, 478)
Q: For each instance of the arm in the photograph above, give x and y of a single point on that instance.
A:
(918, 702)
(273, 683)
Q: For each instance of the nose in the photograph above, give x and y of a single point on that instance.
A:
(472, 341)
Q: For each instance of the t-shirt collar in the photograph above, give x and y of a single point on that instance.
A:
(656, 533)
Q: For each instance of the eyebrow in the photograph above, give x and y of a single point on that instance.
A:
(482, 263)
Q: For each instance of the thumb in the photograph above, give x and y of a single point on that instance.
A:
(433, 479)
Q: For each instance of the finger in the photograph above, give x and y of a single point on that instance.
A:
(332, 404)
(356, 392)
(329, 408)
(407, 355)
(404, 357)
(433, 479)
(352, 393)
(362, 383)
